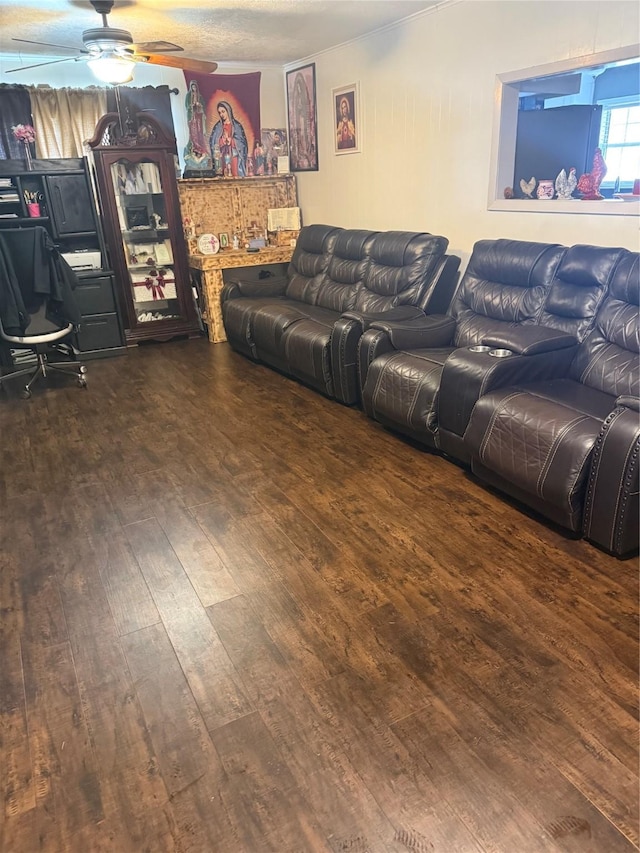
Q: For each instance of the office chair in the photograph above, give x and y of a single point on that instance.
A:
(37, 308)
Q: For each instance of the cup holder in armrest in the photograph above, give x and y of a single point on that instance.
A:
(479, 349)
(500, 353)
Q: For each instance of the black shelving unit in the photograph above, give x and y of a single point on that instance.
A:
(63, 192)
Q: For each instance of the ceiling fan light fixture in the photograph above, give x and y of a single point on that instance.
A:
(112, 68)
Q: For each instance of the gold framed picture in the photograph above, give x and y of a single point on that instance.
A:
(347, 138)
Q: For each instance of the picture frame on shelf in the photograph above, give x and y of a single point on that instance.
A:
(224, 240)
(137, 217)
(347, 137)
(302, 117)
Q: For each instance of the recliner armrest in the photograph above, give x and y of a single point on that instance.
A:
(436, 330)
(273, 286)
(530, 340)
(629, 402)
(366, 319)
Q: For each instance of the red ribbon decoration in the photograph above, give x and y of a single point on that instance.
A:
(155, 286)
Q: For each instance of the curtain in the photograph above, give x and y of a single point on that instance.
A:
(65, 118)
(15, 108)
(155, 100)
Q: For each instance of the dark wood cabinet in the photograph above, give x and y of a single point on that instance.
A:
(58, 195)
(138, 192)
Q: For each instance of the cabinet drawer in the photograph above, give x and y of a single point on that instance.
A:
(99, 332)
(95, 295)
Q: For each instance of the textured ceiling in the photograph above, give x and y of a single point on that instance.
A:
(266, 31)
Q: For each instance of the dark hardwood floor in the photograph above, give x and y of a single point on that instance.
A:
(237, 617)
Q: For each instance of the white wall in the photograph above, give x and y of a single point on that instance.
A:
(78, 75)
(426, 90)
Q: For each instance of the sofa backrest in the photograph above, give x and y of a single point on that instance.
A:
(578, 289)
(309, 261)
(401, 266)
(344, 276)
(505, 284)
(608, 358)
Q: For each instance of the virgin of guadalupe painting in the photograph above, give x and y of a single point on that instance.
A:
(223, 116)
(302, 117)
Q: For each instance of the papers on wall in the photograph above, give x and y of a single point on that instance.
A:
(283, 165)
(283, 219)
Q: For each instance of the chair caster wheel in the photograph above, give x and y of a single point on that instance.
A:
(82, 382)
(25, 394)
(83, 369)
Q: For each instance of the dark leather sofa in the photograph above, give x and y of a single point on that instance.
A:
(568, 446)
(307, 324)
(563, 321)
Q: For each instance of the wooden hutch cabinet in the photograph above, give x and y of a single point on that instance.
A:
(137, 184)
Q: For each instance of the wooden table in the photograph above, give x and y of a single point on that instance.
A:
(211, 267)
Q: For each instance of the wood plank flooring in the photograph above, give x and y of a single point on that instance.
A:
(237, 617)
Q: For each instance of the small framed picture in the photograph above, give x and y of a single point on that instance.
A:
(224, 241)
(347, 121)
(137, 217)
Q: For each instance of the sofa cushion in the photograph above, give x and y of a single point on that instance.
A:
(608, 358)
(506, 282)
(345, 272)
(539, 438)
(270, 322)
(310, 259)
(307, 353)
(402, 387)
(400, 266)
(578, 289)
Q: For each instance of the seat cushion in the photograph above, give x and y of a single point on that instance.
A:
(401, 390)
(238, 314)
(539, 438)
(270, 321)
(307, 349)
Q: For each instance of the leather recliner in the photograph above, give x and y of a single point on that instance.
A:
(568, 445)
(401, 364)
(308, 323)
(509, 290)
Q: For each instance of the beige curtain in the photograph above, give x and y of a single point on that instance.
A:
(65, 119)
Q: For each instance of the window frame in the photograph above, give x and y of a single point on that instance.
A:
(607, 106)
(503, 148)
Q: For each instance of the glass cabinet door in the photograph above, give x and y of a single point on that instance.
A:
(146, 240)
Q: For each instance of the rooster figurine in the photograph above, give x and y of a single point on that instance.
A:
(528, 187)
(566, 185)
(589, 184)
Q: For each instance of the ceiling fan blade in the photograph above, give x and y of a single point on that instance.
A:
(199, 66)
(48, 44)
(156, 47)
(40, 64)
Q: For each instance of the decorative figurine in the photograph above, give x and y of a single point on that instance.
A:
(236, 242)
(528, 187)
(508, 192)
(545, 189)
(566, 185)
(589, 184)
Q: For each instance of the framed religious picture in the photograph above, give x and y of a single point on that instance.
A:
(303, 119)
(346, 120)
(224, 241)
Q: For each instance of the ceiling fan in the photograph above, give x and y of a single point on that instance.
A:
(112, 55)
